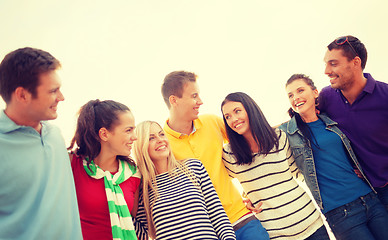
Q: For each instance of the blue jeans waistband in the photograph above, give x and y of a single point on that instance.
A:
(358, 201)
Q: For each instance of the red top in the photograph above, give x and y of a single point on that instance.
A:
(92, 202)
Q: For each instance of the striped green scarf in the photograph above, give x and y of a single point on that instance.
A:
(120, 217)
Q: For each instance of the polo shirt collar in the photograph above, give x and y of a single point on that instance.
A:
(6, 124)
(197, 125)
(370, 83)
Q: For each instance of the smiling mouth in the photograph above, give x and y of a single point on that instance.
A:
(299, 104)
(161, 148)
(332, 78)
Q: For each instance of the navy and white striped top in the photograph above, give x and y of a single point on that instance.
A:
(288, 211)
(184, 211)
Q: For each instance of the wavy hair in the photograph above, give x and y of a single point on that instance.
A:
(149, 172)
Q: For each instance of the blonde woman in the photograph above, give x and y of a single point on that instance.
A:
(177, 200)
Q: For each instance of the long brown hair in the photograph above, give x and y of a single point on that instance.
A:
(93, 116)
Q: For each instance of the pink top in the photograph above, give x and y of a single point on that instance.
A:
(92, 202)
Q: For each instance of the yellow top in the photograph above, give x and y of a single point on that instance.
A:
(205, 143)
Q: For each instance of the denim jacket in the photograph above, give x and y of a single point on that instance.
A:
(303, 154)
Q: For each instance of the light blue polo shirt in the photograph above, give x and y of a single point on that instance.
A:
(37, 193)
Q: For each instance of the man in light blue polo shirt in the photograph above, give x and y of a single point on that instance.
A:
(37, 194)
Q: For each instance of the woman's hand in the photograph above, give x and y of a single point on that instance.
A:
(250, 207)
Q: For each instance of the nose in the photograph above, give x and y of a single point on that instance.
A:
(60, 96)
(327, 69)
(199, 101)
(233, 118)
(133, 137)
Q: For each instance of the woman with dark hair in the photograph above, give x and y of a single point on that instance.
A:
(260, 158)
(325, 157)
(106, 179)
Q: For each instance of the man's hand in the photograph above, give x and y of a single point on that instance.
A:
(249, 206)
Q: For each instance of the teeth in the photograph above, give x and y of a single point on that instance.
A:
(238, 125)
(161, 148)
(299, 104)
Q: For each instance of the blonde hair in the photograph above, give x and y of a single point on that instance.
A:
(149, 172)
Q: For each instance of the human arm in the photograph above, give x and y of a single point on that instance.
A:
(140, 219)
(296, 173)
(228, 159)
(135, 203)
(217, 215)
(71, 156)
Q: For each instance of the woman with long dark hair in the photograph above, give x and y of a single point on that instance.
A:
(325, 157)
(106, 178)
(260, 158)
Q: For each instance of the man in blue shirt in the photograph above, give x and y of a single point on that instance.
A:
(37, 194)
(359, 104)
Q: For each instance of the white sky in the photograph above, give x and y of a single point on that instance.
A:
(122, 49)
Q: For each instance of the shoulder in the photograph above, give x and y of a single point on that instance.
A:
(383, 88)
(328, 91)
(52, 131)
(283, 126)
(193, 163)
(282, 136)
(210, 118)
(211, 124)
(228, 156)
(227, 149)
(74, 158)
(326, 119)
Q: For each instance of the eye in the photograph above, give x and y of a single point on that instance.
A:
(162, 134)
(290, 95)
(227, 117)
(237, 111)
(300, 90)
(151, 138)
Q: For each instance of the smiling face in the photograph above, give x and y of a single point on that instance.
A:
(122, 136)
(44, 105)
(236, 117)
(158, 148)
(302, 98)
(339, 69)
(188, 105)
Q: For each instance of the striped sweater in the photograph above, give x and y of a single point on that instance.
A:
(184, 211)
(288, 211)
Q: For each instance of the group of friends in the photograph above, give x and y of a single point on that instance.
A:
(119, 180)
